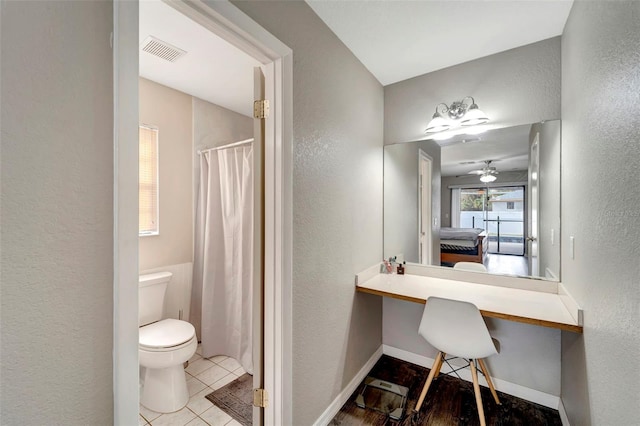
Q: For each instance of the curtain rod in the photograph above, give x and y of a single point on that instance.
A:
(231, 145)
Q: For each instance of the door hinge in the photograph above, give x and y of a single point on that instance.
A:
(260, 398)
(261, 108)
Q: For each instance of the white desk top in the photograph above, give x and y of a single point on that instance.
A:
(532, 307)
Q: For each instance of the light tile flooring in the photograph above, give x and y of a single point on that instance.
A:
(203, 377)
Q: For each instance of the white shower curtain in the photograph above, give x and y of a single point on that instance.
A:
(221, 302)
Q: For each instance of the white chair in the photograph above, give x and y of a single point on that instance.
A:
(456, 328)
(470, 266)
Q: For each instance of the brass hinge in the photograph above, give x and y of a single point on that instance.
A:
(261, 108)
(260, 398)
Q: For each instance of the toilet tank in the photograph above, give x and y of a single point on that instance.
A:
(151, 291)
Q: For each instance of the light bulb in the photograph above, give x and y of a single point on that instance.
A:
(487, 178)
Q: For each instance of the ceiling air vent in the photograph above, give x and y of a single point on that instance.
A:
(162, 49)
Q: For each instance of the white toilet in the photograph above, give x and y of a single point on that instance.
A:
(164, 345)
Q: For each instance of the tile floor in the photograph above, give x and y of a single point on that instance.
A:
(203, 377)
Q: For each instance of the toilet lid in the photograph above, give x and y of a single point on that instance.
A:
(166, 333)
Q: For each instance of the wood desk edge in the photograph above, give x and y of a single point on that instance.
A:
(490, 314)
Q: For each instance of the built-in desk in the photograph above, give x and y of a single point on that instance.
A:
(542, 308)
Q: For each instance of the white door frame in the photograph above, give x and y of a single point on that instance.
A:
(425, 208)
(533, 207)
(228, 22)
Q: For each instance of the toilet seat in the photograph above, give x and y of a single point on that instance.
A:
(168, 334)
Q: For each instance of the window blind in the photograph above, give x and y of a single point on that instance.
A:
(148, 181)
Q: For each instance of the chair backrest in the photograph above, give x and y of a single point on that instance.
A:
(470, 266)
(456, 328)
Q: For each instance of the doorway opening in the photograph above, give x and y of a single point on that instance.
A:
(232, 25)
(499, 211)
(197, 91)
(425, 237)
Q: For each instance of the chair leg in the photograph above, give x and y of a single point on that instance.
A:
(489, 382)
(437, 363)
(476, 389)
(444, 355)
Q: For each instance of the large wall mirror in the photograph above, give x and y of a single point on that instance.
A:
(490, 198)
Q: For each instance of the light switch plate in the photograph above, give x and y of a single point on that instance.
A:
(572, 248)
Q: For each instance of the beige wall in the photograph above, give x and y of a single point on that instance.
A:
(337, 204)
(186, 124)
(600, 208)
(57, 213)
(170, 111)
(214, 125)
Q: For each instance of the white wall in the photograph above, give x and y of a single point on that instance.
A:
(600, 208)
(57, 213)
(337, 204)
(515, 87)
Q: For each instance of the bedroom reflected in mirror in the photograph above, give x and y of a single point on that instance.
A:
(491, 198)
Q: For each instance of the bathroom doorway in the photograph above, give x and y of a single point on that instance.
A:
(275, 63)
(425, 237)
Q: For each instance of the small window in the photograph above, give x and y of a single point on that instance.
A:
(148, 181)
(511, 205)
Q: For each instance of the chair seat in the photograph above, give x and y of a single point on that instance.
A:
(456, 328)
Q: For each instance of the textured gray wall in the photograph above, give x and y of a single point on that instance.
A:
(401, 198)
(529, 355)
(519, 86)
(600, 207)
(57, 213)
(549, 196)
(337, 204)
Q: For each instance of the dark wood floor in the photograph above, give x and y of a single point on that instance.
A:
(450, 401)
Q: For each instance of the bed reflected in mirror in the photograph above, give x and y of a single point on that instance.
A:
(491, 198)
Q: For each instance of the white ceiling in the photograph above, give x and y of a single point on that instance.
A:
(397, 40)
(508, 148)
(212, 69)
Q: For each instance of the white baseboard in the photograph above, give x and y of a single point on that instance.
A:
(519, 391)
(343, 396)
(563, 414)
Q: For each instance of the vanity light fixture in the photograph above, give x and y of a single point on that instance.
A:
(464, 113)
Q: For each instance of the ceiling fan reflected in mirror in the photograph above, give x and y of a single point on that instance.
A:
(487, 173)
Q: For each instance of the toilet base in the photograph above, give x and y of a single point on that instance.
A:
(165, 389)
